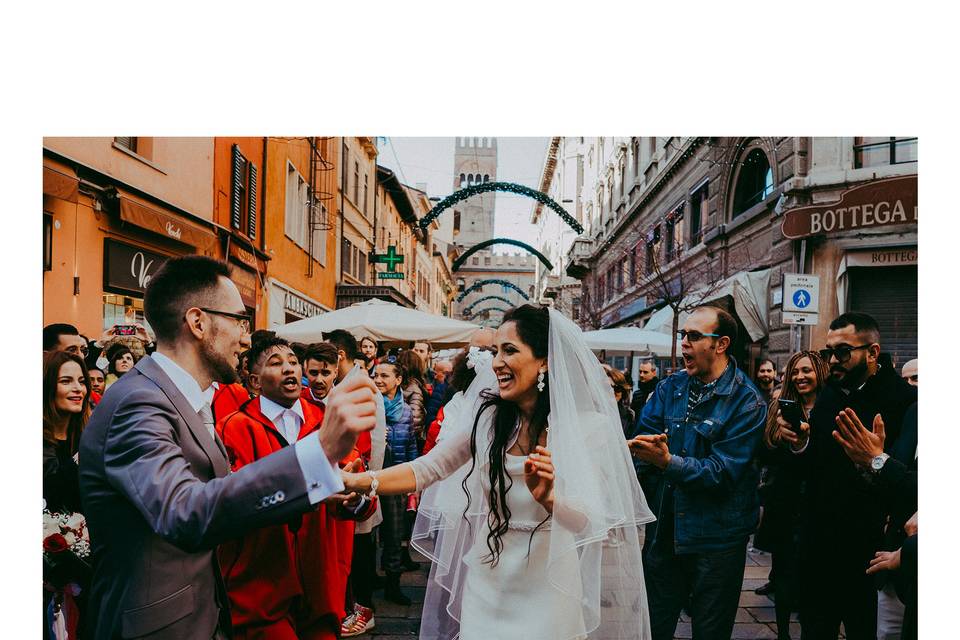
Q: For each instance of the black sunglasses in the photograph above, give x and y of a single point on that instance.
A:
(694, 336)
(841, 353)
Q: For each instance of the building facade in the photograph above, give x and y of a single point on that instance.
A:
(482, 273)
(562, 179)
(300, 220)
(114, 210)
(703, 219)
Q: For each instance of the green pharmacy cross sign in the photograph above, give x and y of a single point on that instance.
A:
(391, 258)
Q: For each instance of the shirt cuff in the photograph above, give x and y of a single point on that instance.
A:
(674, 467)
(322, 478)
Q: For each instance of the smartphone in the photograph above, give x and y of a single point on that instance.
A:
(125, 330)
(792, 413)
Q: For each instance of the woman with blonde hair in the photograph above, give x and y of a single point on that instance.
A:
(781, 489)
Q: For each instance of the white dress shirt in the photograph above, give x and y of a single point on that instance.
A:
(287, 421)
(185, 384)
(322, 478)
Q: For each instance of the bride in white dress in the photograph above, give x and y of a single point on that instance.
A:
(531, 513)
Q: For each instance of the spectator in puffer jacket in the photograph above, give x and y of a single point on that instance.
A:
(401, 447)
(415, 393)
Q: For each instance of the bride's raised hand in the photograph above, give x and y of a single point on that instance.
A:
(538, 473)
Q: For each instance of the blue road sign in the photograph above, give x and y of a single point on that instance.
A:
(801, 298)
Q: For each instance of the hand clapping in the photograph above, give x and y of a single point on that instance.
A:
(652, 449)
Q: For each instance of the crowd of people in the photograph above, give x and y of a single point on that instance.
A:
(235, 484)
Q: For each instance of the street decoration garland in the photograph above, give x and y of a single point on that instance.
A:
(479, 300)
(479, 284)
(486, 243)
(507, 187)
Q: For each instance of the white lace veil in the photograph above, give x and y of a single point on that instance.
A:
(596, 532)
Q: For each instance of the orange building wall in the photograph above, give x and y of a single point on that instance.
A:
(180, 170)
(252, 150)
(288, 261)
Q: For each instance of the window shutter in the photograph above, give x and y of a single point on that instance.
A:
(252, 216)
(235, 205)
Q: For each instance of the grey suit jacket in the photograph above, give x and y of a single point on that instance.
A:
(159, 496)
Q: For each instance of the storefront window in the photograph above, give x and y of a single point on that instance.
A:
(119, 309)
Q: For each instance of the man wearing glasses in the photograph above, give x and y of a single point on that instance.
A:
(696, 440)
(844, 508)
(154, 477)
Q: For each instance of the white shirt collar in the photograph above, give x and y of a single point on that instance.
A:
(184, 382)
(272, 410)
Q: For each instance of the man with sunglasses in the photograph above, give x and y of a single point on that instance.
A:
(696, 438)
(844, 507)
(155, 480)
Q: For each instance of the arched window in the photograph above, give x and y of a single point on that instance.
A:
(463, 179)
(470, 179)
(754, 182)
(486, 177)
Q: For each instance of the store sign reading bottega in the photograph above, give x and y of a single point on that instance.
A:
(875, 204)
(128, 269)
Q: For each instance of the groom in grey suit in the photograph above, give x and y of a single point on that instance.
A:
(154, 477)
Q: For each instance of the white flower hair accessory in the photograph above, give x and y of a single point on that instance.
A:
(476, 356)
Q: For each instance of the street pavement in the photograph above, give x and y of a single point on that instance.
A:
(756, 618)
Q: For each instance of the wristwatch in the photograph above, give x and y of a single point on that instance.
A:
(878, 461)
(374, 483)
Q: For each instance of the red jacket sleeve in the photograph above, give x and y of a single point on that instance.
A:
(433, 432)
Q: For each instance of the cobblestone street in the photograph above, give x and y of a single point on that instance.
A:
(755, 618)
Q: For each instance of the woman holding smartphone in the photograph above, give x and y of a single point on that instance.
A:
(806, 372)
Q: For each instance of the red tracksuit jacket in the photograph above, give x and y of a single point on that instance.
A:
(285, 575)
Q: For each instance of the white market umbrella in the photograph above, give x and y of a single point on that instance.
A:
(630, 339)
(384, 322)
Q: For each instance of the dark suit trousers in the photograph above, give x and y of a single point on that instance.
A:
(838, 594)
(707, 584)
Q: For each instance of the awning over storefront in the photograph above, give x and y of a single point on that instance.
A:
(748, 289)
(60, 185)
(143, 214)
(876, 257)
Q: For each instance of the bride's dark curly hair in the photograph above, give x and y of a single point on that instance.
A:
(533, 327)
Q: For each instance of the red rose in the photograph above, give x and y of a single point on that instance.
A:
(55, 543)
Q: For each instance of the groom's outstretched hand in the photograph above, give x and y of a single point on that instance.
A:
(538, 473)
(351, 410)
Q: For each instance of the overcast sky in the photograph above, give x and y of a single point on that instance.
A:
(430, 161)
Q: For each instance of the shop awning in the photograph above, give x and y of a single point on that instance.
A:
(143, 214)
(60, 185)
(630, 339)
(749, 290)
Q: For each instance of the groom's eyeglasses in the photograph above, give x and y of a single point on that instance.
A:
(244, 320)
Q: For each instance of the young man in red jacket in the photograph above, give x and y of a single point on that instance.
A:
(286, 581)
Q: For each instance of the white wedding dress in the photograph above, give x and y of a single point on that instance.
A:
(512, 600)
(580, 575)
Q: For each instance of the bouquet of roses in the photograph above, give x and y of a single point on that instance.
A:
(66, 549)
(66, 570)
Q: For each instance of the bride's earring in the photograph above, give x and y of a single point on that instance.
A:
(540, 384)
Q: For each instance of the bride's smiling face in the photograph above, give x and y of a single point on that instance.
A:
(515, 364)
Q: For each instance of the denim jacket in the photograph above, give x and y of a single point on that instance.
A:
(711, 471)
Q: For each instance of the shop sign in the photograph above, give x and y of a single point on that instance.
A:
(886, 257)
(128, 268)
(242, 255)
(246, 283)
(875, 204)
(298, 306)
